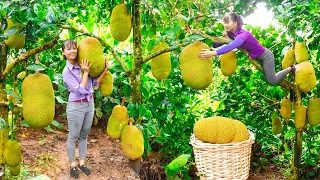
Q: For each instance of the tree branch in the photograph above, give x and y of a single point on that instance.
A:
(163, 51)
(27, 54)
(122, 63)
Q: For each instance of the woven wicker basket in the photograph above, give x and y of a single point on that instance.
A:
(222, 161)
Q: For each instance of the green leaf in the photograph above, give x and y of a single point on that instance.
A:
(35, 67)
(177, 164)
(98, 112)
(39, 11)
(11, 31)
(61, 100)
(90, 24)
(50, 15)
(58, 125)
(2, 123)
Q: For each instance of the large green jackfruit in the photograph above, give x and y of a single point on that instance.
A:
(161, 65)
(228, 63)
(12, 153)
(38, 100)
(286, 108)
(132, 142)
(120, 22)
(300, 51)
(118, 120)
(216, 130)
(300, 115)
(196, 73)
(276, 124)
(91, 49)
(288, 59)
(106, 84)
(15, 171)
(313, 112)
(242, 133)
(305, 76)
(16, 40)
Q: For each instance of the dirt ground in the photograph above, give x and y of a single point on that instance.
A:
(45, 153)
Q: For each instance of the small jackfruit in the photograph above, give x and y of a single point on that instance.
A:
(106, 84)
(300, 116)
(16, 40)
(228, 63)
(305, 77)
(216, 130)
(38, 100)
(288, 59)
(196, 73)
(276, 125)
(15, 171)
(120, 22)
(300, 51)
(91, 49)
(242, 133)
(118, 120)
(161, 65)
(313, 112)
(22, 75)
(16, 110)
(132, 142)
(286, 108)
(12, 153)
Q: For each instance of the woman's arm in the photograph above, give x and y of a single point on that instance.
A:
(234, 44)
(99, 79)
(73, 85)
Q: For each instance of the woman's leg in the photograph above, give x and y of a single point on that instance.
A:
(271, 76)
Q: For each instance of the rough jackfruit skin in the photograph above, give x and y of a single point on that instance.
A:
(106, 84)
(216, 130)
(4, 135)
(117, 121)
(38, 100)
(276, 125)
(286, 108)
(301, 52)
(288, 59)
(15, 171)
(120, 22)
(228, 63)
(132, 143)
(13, 153)
(91, 49)
(161, 65)
(15, 41)
(305, 77)
(242, 133)
(300, 116)
(313, 112)
(196, 73)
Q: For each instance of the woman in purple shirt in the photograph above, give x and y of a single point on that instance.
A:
(80, 107)
(245, 40)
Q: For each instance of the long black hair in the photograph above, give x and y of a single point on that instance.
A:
(233, 17)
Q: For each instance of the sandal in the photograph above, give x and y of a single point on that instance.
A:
(74, 172)
(85, 170)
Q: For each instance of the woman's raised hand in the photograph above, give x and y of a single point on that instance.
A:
(85, 66)
(206, 53)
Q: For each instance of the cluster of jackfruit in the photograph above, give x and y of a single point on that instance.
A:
(228, 63)
(13, 156)
(161, 65)
(17, 40)
(90, 49)
(120, 22)
(38, 100)
(196, 73)
(220, 130)
(118, 119)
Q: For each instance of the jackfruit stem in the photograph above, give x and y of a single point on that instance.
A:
(123, 99)
(130, 121)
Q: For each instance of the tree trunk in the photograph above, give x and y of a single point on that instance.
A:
(3, 95)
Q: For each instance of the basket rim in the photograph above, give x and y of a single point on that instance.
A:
(195, 142)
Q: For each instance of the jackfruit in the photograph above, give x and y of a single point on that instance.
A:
(12, 153)
(16, 110)
(120, 22)
(16, 40)
(196, 73)
(106, 84)
(38, 100)
(216, 130)
(305, 76)
(228, 63)
(15, 171)
(286, 108)
(300, 116)
(2, 161)
(22, 75)
(242, 133)
(313, 112)
(4, 135)
(276, 125)
(300, 51)
(118, 120)
(161, 65)
(91, 49)
(132, 143)
(288, 59)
